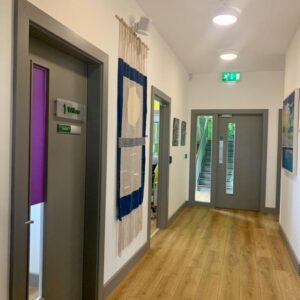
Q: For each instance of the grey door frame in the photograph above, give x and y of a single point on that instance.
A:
(163, 159)
(30, 21)
(215, 113)
(279, 161)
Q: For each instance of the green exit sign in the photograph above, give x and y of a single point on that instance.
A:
(231, 76)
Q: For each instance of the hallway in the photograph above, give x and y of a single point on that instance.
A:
(125, 125)
(214, 254)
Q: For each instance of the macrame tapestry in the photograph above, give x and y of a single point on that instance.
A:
(132, 110)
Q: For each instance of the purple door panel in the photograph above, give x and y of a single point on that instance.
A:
(38, 135)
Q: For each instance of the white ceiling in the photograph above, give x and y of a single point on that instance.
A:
(261, 35)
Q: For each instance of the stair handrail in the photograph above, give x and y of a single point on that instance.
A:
(203, 135)
(203, 139)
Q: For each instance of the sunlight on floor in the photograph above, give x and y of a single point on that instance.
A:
(33, 293)
(202, 196)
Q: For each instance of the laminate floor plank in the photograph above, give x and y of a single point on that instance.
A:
(214, 254)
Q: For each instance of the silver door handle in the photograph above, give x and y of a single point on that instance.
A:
(29, 222)
(221, 150)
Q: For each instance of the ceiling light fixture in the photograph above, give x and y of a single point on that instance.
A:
(228, 55)
(226, 16)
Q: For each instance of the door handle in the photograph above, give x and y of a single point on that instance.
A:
(221, 150)
(29, 222)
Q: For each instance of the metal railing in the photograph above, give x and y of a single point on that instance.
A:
(202, 139)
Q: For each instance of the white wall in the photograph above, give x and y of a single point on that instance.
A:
(5, 134)
(257, 90)
(290, 193)
(95, 21)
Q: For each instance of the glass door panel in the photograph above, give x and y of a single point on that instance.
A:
(203, 159)
(230, 158)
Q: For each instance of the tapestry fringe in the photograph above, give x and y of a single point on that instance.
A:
(129, 228)
(131, 49)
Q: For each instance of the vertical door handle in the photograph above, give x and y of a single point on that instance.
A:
(29, 222)
(221, 150)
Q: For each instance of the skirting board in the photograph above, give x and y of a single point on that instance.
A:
(270, 210)
(123, 272)
(291, 250)
(177, 213)
(266, 210)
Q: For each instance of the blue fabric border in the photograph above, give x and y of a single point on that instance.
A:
(127, 204)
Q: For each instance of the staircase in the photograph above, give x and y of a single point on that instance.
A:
(230, 168)
(204, 179)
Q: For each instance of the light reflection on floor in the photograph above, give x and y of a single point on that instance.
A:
(33, 293)
(202, 196)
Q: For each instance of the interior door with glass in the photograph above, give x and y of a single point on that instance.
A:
(57, 174)
(239, 162)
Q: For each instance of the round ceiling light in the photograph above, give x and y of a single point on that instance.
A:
(228, 55)
(226, 16)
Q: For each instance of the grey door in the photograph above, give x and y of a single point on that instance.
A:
(239, 162)
(65, 196)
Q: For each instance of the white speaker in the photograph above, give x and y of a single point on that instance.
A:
(143, 26)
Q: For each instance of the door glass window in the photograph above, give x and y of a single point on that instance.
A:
(38, 153)
(230, 158)
(203, 159)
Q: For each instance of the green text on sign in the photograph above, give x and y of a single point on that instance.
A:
(231, 76)
(61, 128)
(71, 110)
(68, 129)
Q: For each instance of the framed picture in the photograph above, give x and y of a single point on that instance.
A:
(290, 127)
(175, 141)
(183, 133)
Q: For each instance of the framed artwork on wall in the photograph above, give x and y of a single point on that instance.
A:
(183, 133)
(175, 140)
(290, 127)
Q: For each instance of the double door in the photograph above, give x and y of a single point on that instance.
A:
(228, 160)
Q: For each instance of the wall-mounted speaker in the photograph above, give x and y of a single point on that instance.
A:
(143, 26)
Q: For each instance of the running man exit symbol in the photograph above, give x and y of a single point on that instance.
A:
(231, 76)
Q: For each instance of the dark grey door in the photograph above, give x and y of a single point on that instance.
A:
(65, 197)
(239, 162)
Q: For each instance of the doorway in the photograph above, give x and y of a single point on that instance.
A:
(155, 163)
(60, 105)
(228, 159)
(159, 161)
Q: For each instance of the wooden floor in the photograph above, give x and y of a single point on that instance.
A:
(214, 254)
(153, 226)
(33, 293)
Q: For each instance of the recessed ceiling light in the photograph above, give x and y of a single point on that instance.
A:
(226, 16)
(228, 55)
